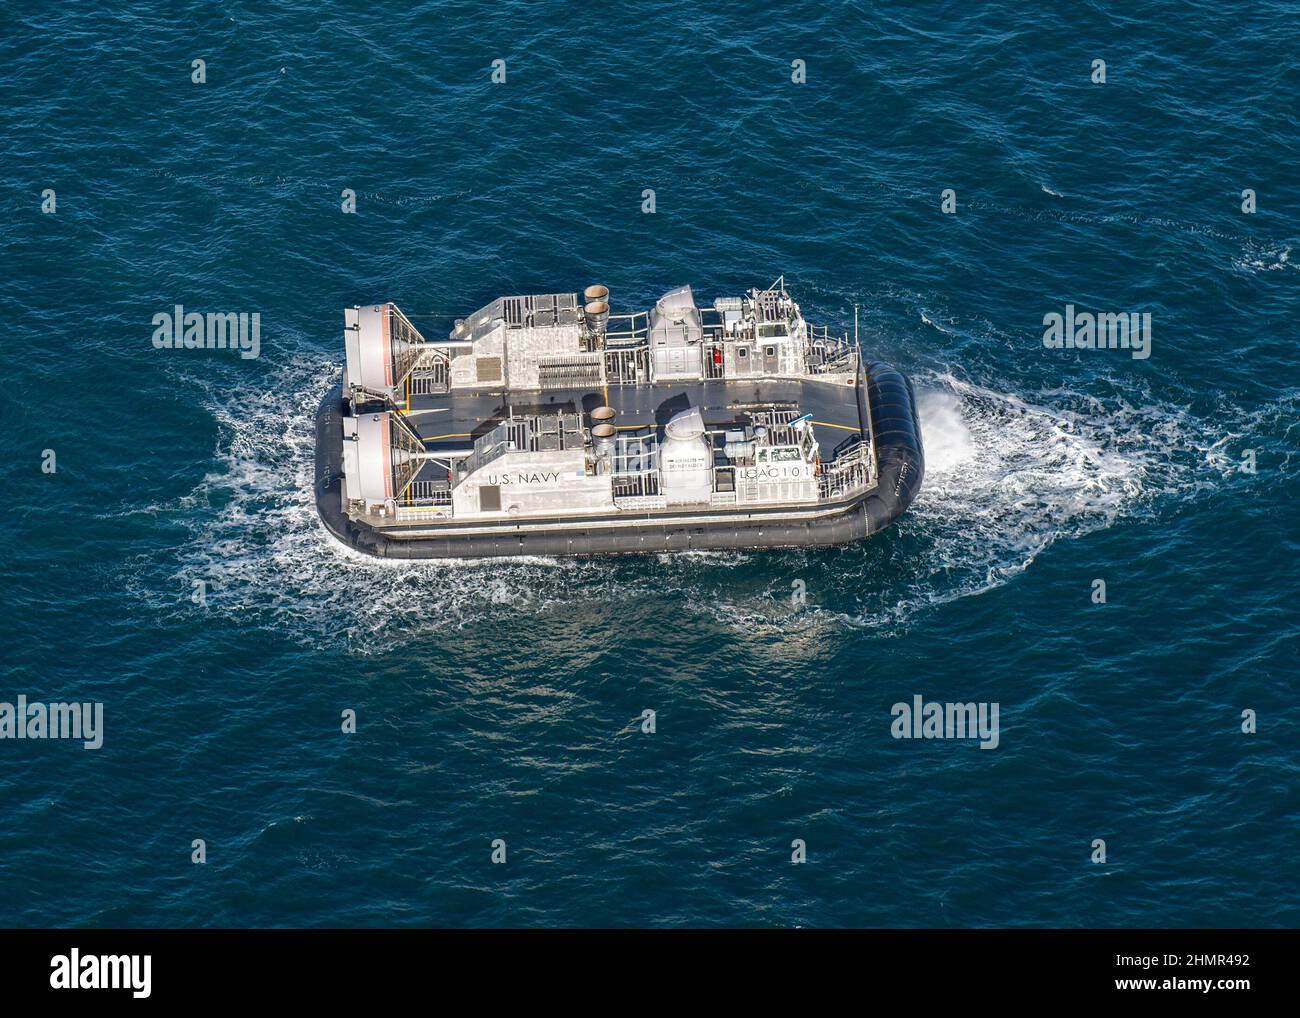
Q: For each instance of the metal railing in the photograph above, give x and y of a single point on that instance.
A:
(628, 332)
(781, 430)
(627, 366)
(829, 354)
(425, 499)
(539, 309)
(432, 374)
(634, 467)
(849, 472)
(432, 493)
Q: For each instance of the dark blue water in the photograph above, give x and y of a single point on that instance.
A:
(504, 700)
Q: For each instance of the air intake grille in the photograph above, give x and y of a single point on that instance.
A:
(569, 372)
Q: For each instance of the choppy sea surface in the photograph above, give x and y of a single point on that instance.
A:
(504, 700)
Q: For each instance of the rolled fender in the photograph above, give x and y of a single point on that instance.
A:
(900, 454)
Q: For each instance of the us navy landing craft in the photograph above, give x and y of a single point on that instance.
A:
(545, 425)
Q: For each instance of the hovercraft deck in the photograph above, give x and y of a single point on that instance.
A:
(539, 428)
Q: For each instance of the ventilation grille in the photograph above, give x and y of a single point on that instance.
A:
(568, 372)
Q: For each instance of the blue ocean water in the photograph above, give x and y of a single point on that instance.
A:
(503, 700)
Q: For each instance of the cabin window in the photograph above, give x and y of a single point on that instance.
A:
(771, 332)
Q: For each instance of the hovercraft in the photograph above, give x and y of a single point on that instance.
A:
(545, 425)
